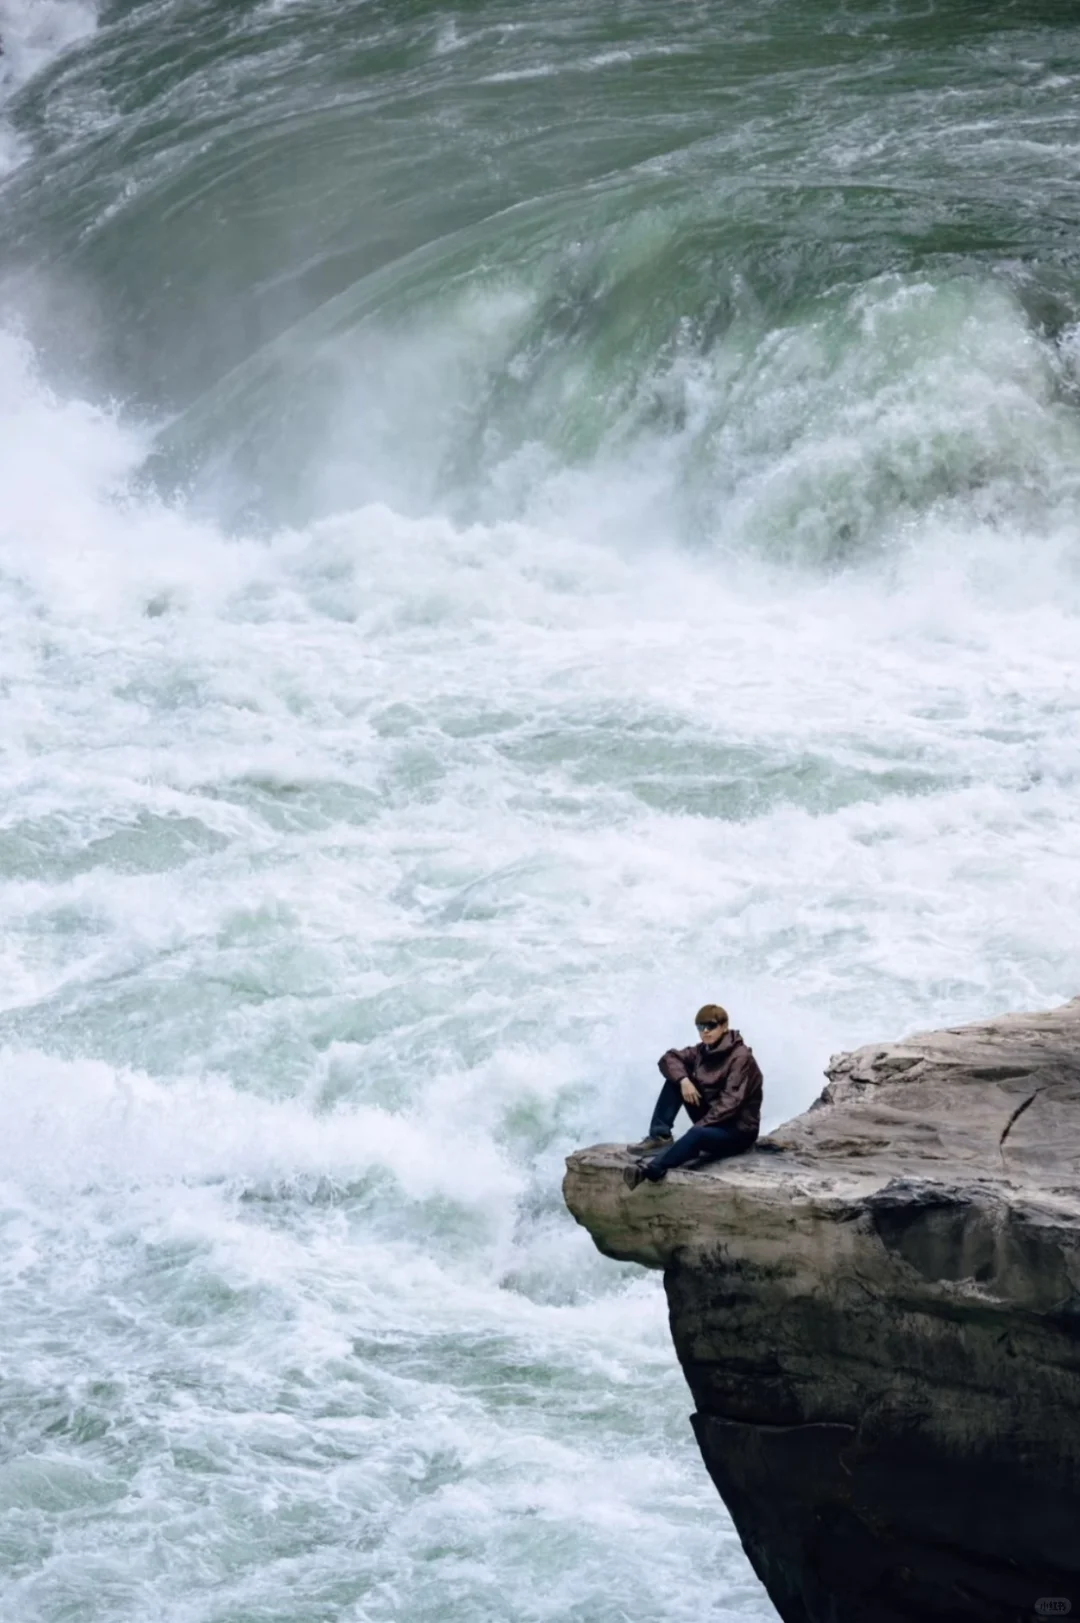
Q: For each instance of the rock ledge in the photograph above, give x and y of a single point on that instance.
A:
(877, 1311)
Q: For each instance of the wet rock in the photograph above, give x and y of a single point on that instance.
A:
(877, 1311)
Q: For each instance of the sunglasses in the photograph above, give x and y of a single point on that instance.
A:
(710, 1025)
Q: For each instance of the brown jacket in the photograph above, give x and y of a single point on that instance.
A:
(728, 1079)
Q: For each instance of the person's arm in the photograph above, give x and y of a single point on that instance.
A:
(740, 1079)
(675, 1066)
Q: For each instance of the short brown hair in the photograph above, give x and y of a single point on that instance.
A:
(711, 1014)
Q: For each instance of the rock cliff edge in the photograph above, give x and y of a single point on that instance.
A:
(877, 1311)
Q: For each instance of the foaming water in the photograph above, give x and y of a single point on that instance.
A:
(353, 875)
(549, 608)
(32, 34)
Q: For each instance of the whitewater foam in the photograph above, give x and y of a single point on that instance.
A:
(605, 584)
(32, 34)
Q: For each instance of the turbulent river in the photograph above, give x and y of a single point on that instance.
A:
(515, 520)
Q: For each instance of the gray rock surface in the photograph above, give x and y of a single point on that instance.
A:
(877, 1311)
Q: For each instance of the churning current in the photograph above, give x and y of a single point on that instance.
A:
(516, 520)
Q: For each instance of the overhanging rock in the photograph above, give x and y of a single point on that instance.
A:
(877, 1311)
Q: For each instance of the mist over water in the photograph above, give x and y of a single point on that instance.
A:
(515, 521)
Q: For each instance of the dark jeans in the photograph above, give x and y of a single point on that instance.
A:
(711, 1141)
(667, 1108)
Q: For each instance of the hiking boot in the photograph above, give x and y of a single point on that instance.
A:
(639, 1173)
(650, 1145)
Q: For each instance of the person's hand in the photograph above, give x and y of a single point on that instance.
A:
(690, 1094)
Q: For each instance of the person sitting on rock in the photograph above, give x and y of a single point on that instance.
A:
(719, 1082)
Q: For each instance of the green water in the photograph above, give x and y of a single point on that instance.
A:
(517, 521)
